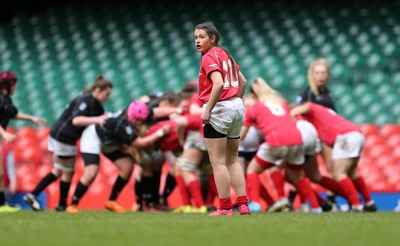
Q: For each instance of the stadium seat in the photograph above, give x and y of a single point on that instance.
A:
(139, 47)
(393, 141)
(379, 152)
(385, 161)
(369, 129)
(27, 132)
(58, 52)
(389, 130)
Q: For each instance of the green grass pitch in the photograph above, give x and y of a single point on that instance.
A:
(106, 228)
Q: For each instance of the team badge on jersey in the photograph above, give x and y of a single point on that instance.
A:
(129, 130)
(82, 106)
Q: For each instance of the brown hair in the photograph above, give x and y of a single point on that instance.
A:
(171, 96)
(212, 31)
(100, 83)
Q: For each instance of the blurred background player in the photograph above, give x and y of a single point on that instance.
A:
(221, 87)
(9, 170)
(247, 150)
(8, 111)
(165, 106)
(190, 131)
(85, 109)
(347, 142)
(318, 92)
(312, 147)
(113, 139)
(283, 144)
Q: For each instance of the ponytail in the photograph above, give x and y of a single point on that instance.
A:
(100, 83)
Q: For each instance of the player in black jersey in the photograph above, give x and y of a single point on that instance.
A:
(8, 111)
(318, 92)
(85, 109)
(113, 139)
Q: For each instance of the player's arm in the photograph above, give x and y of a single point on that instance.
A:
(144, 142)
(195, 109)
(88, 120)
(216, 91)
(242, 84)
(243, 132)
(181, 124)
(23, 116)
(300, 110)
(6, 136)
(162, 112)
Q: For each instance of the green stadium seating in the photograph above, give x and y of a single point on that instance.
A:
(58, 52)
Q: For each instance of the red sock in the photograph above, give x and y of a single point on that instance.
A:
(183, 190)
(332, 185)
(225, 203)
(303, 199)
(305, 190)
(242, 200)
(351, 193)
(253, 185)
(265, 195)
(361, 187)
(195, 192)
(279, 182)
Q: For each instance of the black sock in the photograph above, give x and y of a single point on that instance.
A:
(139, 193)
(332, 198)
(46, 181)
(118, 186)
(292, 195)
(170, 184)
(79, 193)
(64, 188)
(146, 188)
(155, 187)
(2, 198)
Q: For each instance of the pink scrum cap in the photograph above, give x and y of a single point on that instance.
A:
(137, 110)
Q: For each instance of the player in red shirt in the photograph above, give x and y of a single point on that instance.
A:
(190, 132)
(270, 114)
(247, 150)
(221, 87)
(346, 141)
(147, 184)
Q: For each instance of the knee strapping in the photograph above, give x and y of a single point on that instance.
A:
(186, 165)
(69, 167)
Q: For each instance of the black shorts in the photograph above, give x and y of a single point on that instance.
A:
(248, 156)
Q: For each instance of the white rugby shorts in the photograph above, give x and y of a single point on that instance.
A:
(59, 148)
(251, 142)
(227, 117)
(292, 154)
(194, 139)
(311, 142)
(348, 145)
(90, 141)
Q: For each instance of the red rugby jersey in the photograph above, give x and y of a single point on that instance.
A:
(169, 141)
(328, 123)
(275, 122)
(216, 59)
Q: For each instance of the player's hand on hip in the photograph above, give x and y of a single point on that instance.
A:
(205, 117)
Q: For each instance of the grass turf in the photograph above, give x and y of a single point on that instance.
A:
(106, 228)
